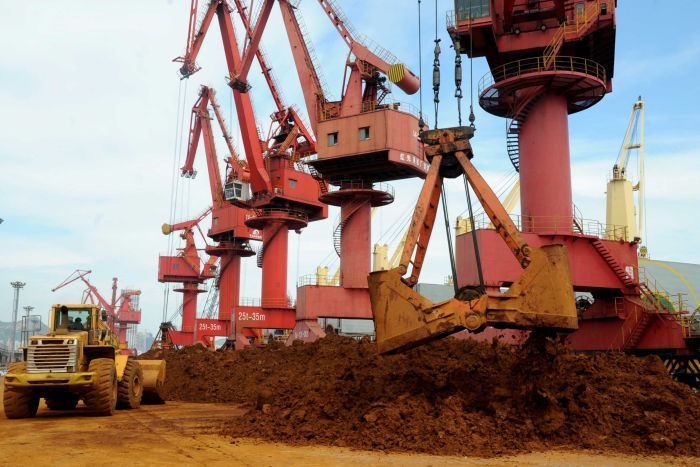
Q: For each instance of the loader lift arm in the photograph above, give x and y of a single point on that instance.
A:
(542, 297)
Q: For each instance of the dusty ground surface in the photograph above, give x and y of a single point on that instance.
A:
(180, 433)
(448, 398)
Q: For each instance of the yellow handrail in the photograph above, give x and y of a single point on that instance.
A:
(591, 11)
(554, 46)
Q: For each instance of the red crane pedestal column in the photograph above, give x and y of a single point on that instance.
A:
(274, 265)
(229, 285)
(189, 307)
(122, 334)
(545, 173)
(275, 224)
(355, 242)
(352, 241)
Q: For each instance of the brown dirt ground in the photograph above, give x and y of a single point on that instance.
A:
(181, 433)
(452, 397)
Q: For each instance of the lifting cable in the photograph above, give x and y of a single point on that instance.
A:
(436, 68)
(477, 255)
(472, 118)
(458, 77)
(174, 182)
(421, 122)
(501, 187)
(175, 187)
(445, 214)
(165, 302)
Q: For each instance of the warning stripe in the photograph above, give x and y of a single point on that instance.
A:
(671, 365)
(694, 365)
(397, 72)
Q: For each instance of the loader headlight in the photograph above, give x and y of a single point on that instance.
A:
(71, 342)
(34, 342)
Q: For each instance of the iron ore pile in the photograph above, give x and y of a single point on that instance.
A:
(452, 397)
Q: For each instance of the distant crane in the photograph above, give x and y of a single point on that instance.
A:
(228, 227)
(281, 193)
(623, 219)
(122, 311)
(186, 267)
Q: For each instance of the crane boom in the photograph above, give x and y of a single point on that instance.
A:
(259, 177)
(383, 60)
(634, 137)
(311, 85)
(254, 35)
(253, 48)
(238, 166)
(189, 252)
(186, 225)
(200, 123)
(79, 274)
(623, 219)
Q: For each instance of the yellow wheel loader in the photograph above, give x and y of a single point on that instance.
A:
(79, 359)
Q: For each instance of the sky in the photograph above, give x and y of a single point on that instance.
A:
(93, 112)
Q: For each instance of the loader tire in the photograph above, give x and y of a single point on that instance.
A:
(131, 386)
(17, 403)
(62, 402)
(101, 399)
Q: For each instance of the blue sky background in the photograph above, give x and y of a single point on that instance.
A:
(88, 129)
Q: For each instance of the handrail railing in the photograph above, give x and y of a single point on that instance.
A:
(328, 281)
(267, 302)
(331, 110)
(283, 212)
(556, 224)
(551, 50)
(582, 21)
(339, 185)
(537, 65)
(315, 279)
(663, 295)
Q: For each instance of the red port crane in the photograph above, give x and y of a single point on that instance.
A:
(549, 59)
(121, 311)
(228, 227)
(362, 139)
(281, 194)
(186, 267)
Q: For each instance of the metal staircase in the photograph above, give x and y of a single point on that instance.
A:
(515, 124)
(355, 204)
(641, 324)
(276, 228)
(319, 178)
(619, 271)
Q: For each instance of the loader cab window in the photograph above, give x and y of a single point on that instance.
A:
(73, 319)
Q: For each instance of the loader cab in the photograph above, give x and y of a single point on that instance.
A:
(68, 319)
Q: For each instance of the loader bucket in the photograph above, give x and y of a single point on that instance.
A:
(153, 381)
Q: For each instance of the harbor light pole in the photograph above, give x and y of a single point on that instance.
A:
(17, 285)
